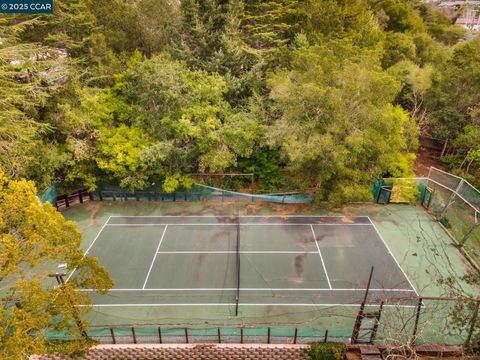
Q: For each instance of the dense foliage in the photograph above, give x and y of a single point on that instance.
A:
(34, 238)
(314, 95)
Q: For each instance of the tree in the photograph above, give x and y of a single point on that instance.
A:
(337, 126)
(417, 82)
(33, 237)
(456, 93)
(172, 121)
(159, 21)
(211, 39)
(397, 47)
(400, 16)
(30, 74)
(338, 20)
(272, 24)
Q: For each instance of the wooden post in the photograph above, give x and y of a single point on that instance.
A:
(113, 336)
(219, 336)
(159, 335)
(417, 318)
(134, 335)
(268, 335)
(368, 285)
(358, 321)
(325, 339)
(472, 323)
(186, 336)
(295, 336)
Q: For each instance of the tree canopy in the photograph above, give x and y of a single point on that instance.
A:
(151, 91)
(34, 238)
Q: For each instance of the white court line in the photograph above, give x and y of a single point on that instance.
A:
(234, 252)
(155, 256)
(242, 216)
(253, 289)
(88, 249)
(391, 254)
(241, 224)
(321, 257)
(244, 304)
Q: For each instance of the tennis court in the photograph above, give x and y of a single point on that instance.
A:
(236, 263)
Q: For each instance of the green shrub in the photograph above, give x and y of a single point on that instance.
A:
(326, 351)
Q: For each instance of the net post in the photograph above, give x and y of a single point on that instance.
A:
(159, 335)
(219, 336)
(112, 333)
(237, 295)
(134, 335)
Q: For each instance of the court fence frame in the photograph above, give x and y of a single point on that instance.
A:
(410, 330)
(455, 204)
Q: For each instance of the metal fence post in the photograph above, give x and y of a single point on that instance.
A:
(268, 335)
(295, 336)
(112, 333)
(450, 200)
(241, 335)
(417, 318)
(469, 232)
(219, 336)
(159, 335)
(472, 323)
(325, 339)
(134, 335)
(186, 335)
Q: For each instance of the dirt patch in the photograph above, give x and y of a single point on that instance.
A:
(299, 261)
(425, 159)
(93, 207)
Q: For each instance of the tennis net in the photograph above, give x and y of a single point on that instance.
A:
(237, 296)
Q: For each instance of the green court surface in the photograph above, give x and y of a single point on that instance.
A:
(175, 264)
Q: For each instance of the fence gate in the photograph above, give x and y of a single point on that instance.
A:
(427, 197)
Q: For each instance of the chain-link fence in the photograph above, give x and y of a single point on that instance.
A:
(456, 204)
(440, 320)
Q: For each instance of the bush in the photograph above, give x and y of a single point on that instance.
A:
(326, 351)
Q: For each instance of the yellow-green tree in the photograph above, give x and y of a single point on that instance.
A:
(34, 238)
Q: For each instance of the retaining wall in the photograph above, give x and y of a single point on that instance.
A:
(188, 351)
